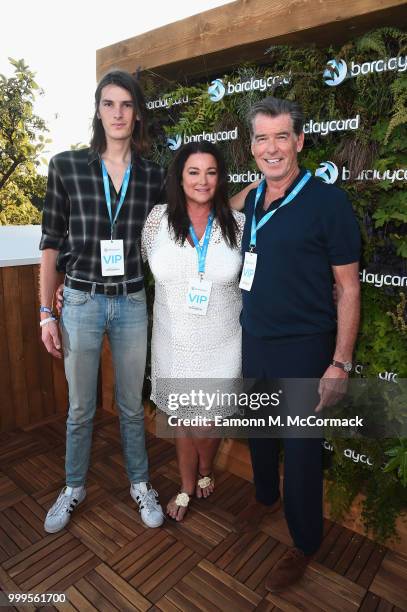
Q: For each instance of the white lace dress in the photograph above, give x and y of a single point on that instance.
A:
(185, 345)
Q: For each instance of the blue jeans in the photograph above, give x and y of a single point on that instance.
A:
(86, 317)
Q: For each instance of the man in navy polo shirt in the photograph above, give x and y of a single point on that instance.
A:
(291, 325)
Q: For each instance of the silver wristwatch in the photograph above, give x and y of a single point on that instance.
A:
(346, 366)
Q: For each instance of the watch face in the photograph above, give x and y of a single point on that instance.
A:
(347, 366)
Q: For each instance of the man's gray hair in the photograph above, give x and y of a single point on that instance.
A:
(273, 107)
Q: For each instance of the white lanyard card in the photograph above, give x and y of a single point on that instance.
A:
(197, 298)
(112, 257)
(249, 268)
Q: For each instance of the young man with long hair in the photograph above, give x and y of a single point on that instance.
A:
(96, 203)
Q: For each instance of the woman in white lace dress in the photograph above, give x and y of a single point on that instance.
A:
(196, 331)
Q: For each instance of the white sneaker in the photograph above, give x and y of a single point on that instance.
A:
(59, 515)
(147, 500)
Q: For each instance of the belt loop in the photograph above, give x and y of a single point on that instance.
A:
(124, 289)
(93, 290)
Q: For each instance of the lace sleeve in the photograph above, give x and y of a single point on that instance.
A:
(150, 230)
(240, 220)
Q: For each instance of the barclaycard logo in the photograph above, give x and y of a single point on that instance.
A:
(174, 143)
(328, 172)
(245, 177)
(335, 73)
(332, 125)
(337, 70)
(216, 90)
(179, 139)
(382, 280)
(166, 102)
(350, 454)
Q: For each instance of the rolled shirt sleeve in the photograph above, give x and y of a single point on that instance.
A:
(55, 218)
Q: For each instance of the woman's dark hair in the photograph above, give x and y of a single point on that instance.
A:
(139, 137)
(178, 219)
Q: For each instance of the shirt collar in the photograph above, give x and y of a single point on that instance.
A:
(295, 181)
(92, 156)
(276, 203)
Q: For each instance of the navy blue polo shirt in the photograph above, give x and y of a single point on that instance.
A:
(291, 296)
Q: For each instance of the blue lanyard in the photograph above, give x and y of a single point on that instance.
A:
(202, 250)
(268, 216)
(123, 192)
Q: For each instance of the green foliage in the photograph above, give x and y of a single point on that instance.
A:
(385, 500)
(22, 141)
(380, 345)
(384, 496)
(398, 461)
(78, 146)
(380, 99)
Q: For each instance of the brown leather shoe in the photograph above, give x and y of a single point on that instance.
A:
(288, 570)
(253, 514)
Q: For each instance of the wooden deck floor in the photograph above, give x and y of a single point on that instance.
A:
(107, 560)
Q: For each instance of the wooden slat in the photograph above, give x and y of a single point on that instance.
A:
(30, 334)
(189, 562)
(9, 586)
(370, 603)
(262, 552)
(98, 600)
(141, 551)
(44, 359)
(27, 372)
(195, 598)
(322, 589)
(391, 579)
(37, 473)
(257, 579)
(7, 399)
(360, 560)
(371, 567)
(77, 600)
(342, 564)
(215, 591)
(179, 602)
(106, 559)
(123, 587)
(338, 549)
(10, 493)
(117, 590)
(241, 31)
(233, 585)
(34, 553)
(11, 296)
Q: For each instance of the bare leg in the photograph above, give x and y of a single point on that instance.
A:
(187, 457)
(206, 449)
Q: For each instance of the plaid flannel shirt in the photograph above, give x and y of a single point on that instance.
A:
(75, 216)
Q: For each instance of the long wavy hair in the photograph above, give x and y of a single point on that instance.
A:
(178, 219)
(139, 137)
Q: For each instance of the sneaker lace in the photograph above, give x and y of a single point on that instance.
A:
(148, 500)
(64, 503)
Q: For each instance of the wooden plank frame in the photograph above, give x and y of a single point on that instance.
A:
(32, 383)
(242, 31)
